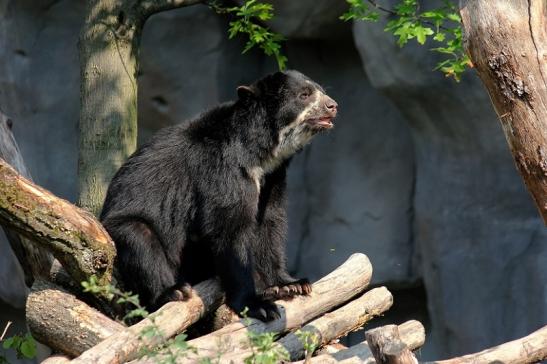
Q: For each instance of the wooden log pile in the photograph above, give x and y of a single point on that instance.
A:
(307, 330)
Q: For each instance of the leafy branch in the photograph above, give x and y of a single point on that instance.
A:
(248, 20)
(442, 25)
(24, 345)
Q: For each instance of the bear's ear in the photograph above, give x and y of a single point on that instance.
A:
(245, 92)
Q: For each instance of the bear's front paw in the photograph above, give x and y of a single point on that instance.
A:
(179, 293)
(287, 290)
(263, 310)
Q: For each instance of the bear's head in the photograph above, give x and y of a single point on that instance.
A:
(297, 108)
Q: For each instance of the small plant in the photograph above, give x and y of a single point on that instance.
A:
(247, 19)
(442, 25)
(309, 340)
(24, 345)
(111, 292)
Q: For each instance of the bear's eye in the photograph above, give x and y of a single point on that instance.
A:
(304, 95)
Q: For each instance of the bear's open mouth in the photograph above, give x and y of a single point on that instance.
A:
(320, 123)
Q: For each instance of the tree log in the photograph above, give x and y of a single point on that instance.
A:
(169, 321)
(507, 42)
(328, 327)
(529, 349)
(74, 237)
(412, 333)
(35, 261)
(56, 359)
(348, 280)
(386, 346)
(61, 321)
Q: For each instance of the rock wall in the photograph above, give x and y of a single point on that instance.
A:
(416, 173)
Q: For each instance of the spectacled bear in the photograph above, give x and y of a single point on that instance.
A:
(207, 198)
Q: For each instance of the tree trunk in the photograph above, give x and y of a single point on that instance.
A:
(387, 347)
(74, 237)
(109, 47)
(35, 261)
(507, 42)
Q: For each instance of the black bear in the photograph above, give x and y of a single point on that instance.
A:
(207, 198)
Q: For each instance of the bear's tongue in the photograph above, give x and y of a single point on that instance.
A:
(322, 123)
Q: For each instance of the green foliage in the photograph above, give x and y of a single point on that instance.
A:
(111, 292)
(360, 10)
(310, 341)
(442, 25)
(264, 349)
(247, 19)
(24, 346)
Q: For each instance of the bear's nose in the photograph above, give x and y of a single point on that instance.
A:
(331, 104)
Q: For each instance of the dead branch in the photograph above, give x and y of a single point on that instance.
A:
(386, 346)
(348, 280)
(35, 261)
(74, 237)
(168, 321)
(330, 326)
(412, 333)
(529, 349)
(61, 321)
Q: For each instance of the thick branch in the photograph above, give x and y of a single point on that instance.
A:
(330, 326)
(412, 334)
(35, 261)
(168, 321)
(348, 280)
(387, 347)
(64, 323)
(73, 236)
(529, 349)
(506, 41)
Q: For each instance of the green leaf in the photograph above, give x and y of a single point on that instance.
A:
(28, 348)
(8, 342)
(422, 33)
(439, 37)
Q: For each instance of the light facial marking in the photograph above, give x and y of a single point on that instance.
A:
(293, 136)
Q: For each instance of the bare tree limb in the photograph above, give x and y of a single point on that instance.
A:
(74, 237)
(529, 349)
(168, 321)
(61, 321)
(387, 347)
(412, 334)
(330, 326)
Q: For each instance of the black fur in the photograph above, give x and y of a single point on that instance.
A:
(185, 207)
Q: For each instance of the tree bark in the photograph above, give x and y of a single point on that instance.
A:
(529, 349)
(507, 42)
(109, 47)
(387, 347)
(412, 334)
(59, 320)
(35, 261)
(348, 280)
(328, 327)
(74, 237)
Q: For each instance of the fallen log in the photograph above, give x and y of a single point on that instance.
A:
(347, 281)
(71, 234)
(56, 359)
(167, 322)
(529, 349)
(328, 327)
(412, 333)
(59, 320)
(386, 346)
(35, 261)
